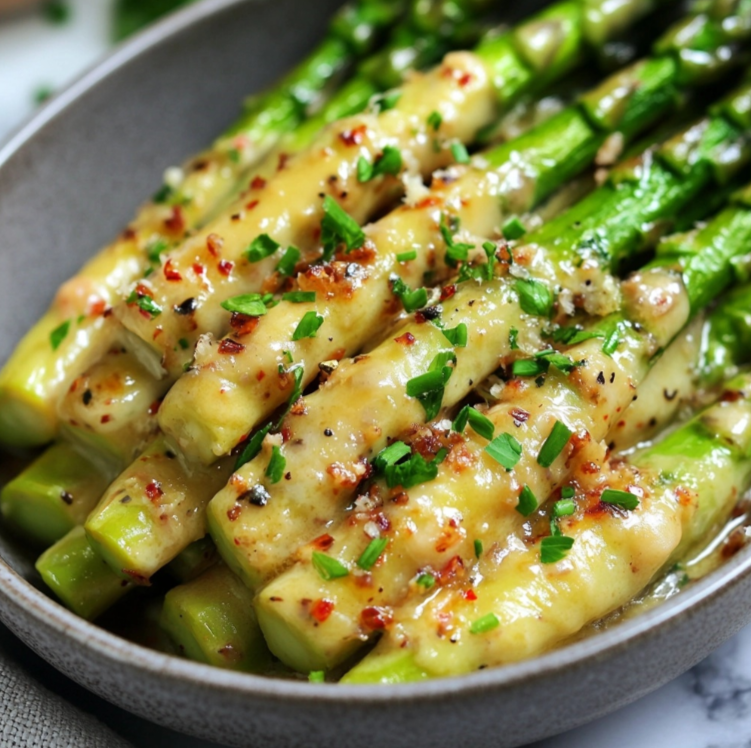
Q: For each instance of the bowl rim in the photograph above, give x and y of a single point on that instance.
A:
(47, 611)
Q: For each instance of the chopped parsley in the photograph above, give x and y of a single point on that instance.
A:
(513, 229)
(389, 162)
(455, 251)
(338, 227)
(564, 508)
(435, 120)
(162, 195)
(290, 258)
(559, 360)
(299, 297)
(612, 340)
(250, 304)
(459, 152)
(554, 444)
(623, 499)
(391, 455)
(397, 471)
(426, 580)
(253, 447)
(534, 297)
(478, 548)
(260, 248)
(184, 343)
(412, 300)
(484, 271)
(529, 367)
(479, 423)
(387, 101)
(527, 502)
(372, 553)
(555, 548)
(486, 623)
(327, 567)
(568, 492)
(428, 388)
(145, 303)
(154, 250)
(513, 337)
(505, 450)
(574, 335)
(277, 463)
(457, 336)
(59, 334)
(407, 256)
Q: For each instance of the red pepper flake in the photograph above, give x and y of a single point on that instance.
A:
(407, 339)
(136, 577)
(322, 542)
(242, 324)
(170, 273)
(198, 269)
(448, 291)
(129, 234)
(731, 396)
(428, 202)
(159, 330)
(154, 490)
(282, 163)
(465, 79)
(97, 306)
(286, 433)
(105, 419)
(321, 610)
(214, 244)
(519, 415)
(354, 136)
(154, 407)
(234, 513)
(229, 346)
(176, 222)
(453, 567)
(258, 183)
(252, 204)
(470, 595)
(375, 619)
(260, 376)
(225, 267)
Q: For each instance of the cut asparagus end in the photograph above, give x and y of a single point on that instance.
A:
(54, 494)
(385, 666)
(211, 619)
(197, 558)
(79, 577)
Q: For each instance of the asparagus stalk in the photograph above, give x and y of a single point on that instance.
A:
(463, 92)
(678, 490)
(385, 386)
(233, 386)
(74, 331)
(211, 620)
(197, 558)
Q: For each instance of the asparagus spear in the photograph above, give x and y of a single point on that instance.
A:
(233, 386)
(324, 445)
(463, 92)
(74, 331)
(669, 498)
(211, 619)
(727, 338)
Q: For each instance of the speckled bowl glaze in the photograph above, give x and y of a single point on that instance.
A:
(68, 180)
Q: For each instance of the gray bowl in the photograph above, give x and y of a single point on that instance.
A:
(68, 180)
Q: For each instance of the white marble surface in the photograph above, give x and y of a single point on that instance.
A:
(708, 707)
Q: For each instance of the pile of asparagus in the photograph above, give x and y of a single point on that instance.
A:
(380, 408)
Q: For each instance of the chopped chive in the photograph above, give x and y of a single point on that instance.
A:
(233, 154)
(459, 152)
(253, 447)
(486, 623)
(298, 372)
(372, 553)
(621, 498)
(290, 258)
(428, 388)
(59, 334)
(574, 335)
(559, 360)
(299, 297)
(435, 120)
(554, 444)
(426, 580)
(478, 548)
(564, 508)
(389, 162)
(391, 455)
(146, 303)
(327, 567)
(568, 492)
(513, 337)
(338, 227)
(480, 423)
(407, 256)
(527, 502)
(529, 367)
(316, 676)
(387, 101)
(611, 341)
(457, 336)
(555, 548)
(534, 297)
(260, 248)
(184, 343)
(455, 251)
(513, 229)
(505, 449)
(411, 300)
(163, 194)
(308, 326)
(412, 472)
(154, 250)
(277, 463)
(249, 304)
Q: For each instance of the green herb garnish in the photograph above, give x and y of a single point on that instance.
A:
(59, 334)
(554, 444)
(623, 499)
(457, 336)
(459, 152)
(389, 162)
(480, 423)
(527, 502)
(555, 548)
(290, 258)
(505, 450)
(435, 120)
(372, 553)
(260, 248)
(428, 388)
(299, 297)
(411, 299)
(486, 623)
(145, 303)
(407, 256)
(249, 304)
(327, 567)
(534, 297)
(338, 227)
(513, 229)
(253, 447)
(277, 463)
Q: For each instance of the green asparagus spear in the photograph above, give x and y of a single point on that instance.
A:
(211, 619)
(74, 333)
(211, 408)
(632, 521)
(197, 558)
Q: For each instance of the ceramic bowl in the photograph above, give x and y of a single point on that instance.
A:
(68, 180)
